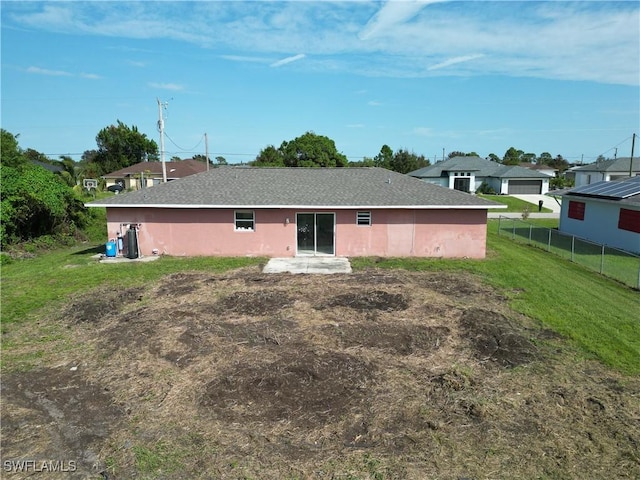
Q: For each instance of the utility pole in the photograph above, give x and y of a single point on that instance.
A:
(615, 154)
(161, 130)
(206, 149)
(633, 144)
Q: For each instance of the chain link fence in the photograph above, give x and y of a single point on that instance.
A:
(611, 262)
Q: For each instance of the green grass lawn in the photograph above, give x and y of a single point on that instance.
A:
(514, 205)
(598, 314)
(47, 280)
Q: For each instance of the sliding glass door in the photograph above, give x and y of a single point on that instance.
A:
(315, 233)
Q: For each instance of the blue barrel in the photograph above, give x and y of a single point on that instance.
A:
(111, 249)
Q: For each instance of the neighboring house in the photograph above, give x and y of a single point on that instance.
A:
(285, 212)
(48, 166)
(538, 167)
(606, 170)
(468, 173)
(604, 212)
(147, 174)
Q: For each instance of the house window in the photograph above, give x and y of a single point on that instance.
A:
(244, 220)
(576, 210)
(629, 220)
(363, 218)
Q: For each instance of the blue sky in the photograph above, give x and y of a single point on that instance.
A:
(426, 76)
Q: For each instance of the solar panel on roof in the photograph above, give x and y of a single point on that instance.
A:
(615, 189)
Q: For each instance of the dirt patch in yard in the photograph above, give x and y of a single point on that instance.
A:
(495, 338)
(54, 414)
(378, 374)
(305, 389)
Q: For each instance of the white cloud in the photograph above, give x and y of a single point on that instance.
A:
(136, 64)
(245, 58)
(580, 41)
(166, 86)
(374, 103)
(90, 76)
(291, 59)
(454, 61)
(392, 14)
(45, 71)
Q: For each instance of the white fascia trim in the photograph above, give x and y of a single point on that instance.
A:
(307, 207)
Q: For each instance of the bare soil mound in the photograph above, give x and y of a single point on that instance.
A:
(306, 389)
(378, 374)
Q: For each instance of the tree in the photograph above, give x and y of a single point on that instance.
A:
(404, 161)
(308, 150)
(120, 146)
(365, 162)
(559, 164)
(545, 158)
(462, 154)
(10, 153)
(493, 157)
(269, 156)
(512, 156)
(221, 161)
(69, 172)
(384, 158)
(35, 201)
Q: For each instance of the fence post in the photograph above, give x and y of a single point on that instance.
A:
(513, 230)
(573, 246)
(499, 224)
(530, 228)
(602, 260)
(549, 244)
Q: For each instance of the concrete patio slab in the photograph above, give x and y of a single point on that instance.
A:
(321, 265)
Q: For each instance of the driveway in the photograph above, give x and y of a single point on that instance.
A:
(548, 202)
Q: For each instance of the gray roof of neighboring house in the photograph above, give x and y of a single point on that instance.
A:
(235, 187)
(479, 166)
(179, 169)
(616, 165)
(48, 166)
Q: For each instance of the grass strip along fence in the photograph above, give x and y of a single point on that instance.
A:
(608, 261)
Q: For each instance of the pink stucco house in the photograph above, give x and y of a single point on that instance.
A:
(286, 212)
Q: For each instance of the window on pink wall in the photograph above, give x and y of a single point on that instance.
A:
(363, 219)
(244, 220)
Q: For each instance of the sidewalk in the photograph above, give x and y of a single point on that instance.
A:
(519, 215)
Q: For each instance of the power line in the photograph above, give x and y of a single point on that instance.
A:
(188, 150)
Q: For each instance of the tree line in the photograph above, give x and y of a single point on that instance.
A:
(36, 201)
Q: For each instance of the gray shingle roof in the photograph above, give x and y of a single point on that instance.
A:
(616, 165)
(479, 166)
(174, 170)
(235, 187)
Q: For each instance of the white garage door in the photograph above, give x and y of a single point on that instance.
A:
(525, 187)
